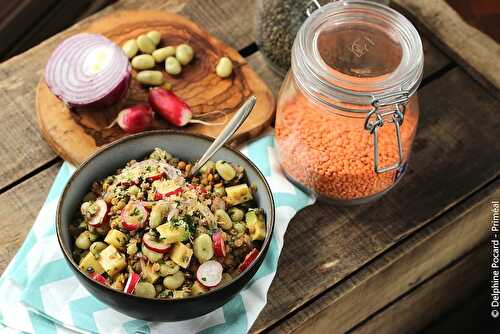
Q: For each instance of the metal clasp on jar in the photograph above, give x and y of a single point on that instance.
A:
(382, 113)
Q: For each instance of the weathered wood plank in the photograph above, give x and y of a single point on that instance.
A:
(412, 261)
(433, 298)
(449, 162)
(20, 206)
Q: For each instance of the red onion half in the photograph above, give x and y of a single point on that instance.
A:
(88, 71)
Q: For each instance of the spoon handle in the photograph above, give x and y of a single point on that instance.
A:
(233, 125)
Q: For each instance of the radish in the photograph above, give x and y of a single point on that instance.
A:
(166, 189)
(101, 217)
(249, 259)
(155, 245)
(134, 216)
(132, 281)
(173, 109)
(99, 278)
(134, 119)
(219, 244)
(209, 273)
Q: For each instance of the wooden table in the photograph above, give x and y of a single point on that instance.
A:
(388, 267)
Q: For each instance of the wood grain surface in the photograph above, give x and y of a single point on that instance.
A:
(351, 252)
(76, 134)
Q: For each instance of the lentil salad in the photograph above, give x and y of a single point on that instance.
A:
(153, 231)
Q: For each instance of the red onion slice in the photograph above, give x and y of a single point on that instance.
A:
(88, 71)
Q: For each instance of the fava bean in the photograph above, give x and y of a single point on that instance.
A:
(172, 66)
(240, 227)
(223, 217)
(83, 240)
(168, 268)
(145, 44)
(130, 48)
(152, 78)
(143, 62)
(224, 67)
(145, 289)
(154, 36)
(174, 281)
(225, 170)
(236, 214)
(184, 54)
(97, 247)
(161, 54)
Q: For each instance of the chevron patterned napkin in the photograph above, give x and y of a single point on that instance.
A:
(41, 295)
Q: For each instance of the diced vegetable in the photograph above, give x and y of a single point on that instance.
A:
(134, 215)
(174, 281)
(116, 238)
(256, 225)
(203, 248)
(249, 258)
(99, 214)
(89, 264)
(148, 272)
(225, 170)
(167, 188)
(181, 254)
(168, 268)
(151, 254)
(132, 281)
(198, 289)
(100, 71)
(112, 261)
(83, 240)
(172, 232)
(238, 194)
(97, 247)
(154, 244)
(224, 218)
(145, 289)
(219, 244)
(158, 212)
(209, 273)
(99, 278)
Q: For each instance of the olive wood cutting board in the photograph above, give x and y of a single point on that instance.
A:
(74, 135)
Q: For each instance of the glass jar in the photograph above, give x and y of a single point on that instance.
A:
(347, 110)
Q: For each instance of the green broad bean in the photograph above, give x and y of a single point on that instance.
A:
(145, 289)
(168, 268)
(83, 240)
(97, 247)
(154, 36)
(161, 54)
(145, 44)
(172, 66)
(174, 281)
(236, 214)
(130, 48)
(184, 54)
(151, 78)
(143, 62)
(225, 170)
(223, 217)
(224, 68)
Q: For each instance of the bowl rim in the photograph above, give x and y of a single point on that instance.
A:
(269, 220)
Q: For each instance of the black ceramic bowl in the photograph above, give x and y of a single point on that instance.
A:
(105, 162)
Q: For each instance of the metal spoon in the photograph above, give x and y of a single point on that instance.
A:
(231, 127)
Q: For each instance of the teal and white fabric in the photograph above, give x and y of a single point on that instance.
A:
(40, 294)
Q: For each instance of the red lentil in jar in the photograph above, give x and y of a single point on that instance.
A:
(348, 110)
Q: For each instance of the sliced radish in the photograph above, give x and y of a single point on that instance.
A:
(166, 189)
(132, 281)
(209, 273)
(101, 217)
(134, 216)
(154, 244)
(219, 244)
(249, 259)
(99, 278)
(153, 176)
(198, 188)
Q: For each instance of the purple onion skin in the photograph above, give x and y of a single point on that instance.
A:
(119, 92)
